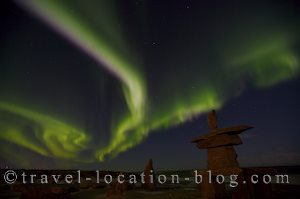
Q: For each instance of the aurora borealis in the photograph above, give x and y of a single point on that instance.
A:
(145, 67)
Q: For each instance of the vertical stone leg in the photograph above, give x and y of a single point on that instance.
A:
(248, 190)
(220, 191)
(212, 190)
(207, 189)
(243, 190)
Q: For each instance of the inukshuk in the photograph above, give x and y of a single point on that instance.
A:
(222, 158)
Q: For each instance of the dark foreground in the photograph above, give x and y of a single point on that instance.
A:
(93, 189)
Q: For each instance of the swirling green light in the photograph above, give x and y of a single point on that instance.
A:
(265, 62)
(41, 133)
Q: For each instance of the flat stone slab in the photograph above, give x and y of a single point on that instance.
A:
(228, 130)
(219, 140)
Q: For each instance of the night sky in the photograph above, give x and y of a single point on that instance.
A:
(109, 84)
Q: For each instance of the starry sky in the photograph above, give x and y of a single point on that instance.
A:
(109, 84)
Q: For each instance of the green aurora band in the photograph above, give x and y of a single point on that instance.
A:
(54, 138)
(262, 61)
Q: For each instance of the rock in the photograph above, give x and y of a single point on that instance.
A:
(206, 189)
(242, 191)
(259, 190)
(212, 121)
(219, 143)
(116, 189)
(149, 176)
(212, 190)
(221, 157)
(219, 140)
(234, 130)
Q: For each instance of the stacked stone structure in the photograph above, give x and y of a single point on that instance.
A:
(222, 158)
